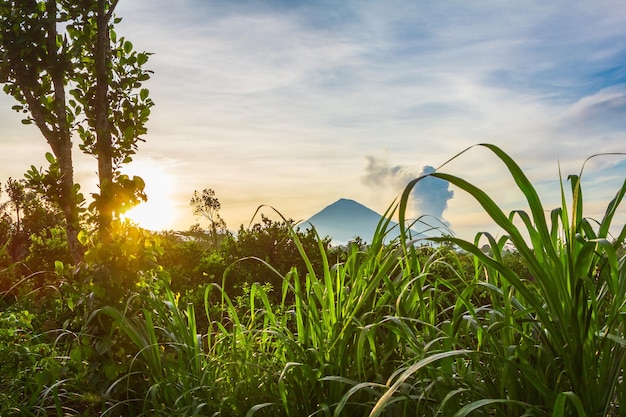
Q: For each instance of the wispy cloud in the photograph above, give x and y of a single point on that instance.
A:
(279, 102)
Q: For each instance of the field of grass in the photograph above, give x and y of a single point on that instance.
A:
(400, 329)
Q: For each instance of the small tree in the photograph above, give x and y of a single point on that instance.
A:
(208, 206)
(17, 195)
(24, 215)
(272, 242)
(6, 224)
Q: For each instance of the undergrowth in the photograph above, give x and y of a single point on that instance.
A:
(400, 327)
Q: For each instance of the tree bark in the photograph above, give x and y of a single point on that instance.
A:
(61, 142)
(104, 147)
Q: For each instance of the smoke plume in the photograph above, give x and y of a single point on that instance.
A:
(430, 196)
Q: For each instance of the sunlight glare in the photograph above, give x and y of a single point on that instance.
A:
(158, 212)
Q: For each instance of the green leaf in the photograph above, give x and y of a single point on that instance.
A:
(76, 355)
(386, 398)
(139, 182)
(560, 407)
(143, 94)
(256, 408)
(82, 237)
(44, 377)
(50, 157)
(128, 47)
(111, 371)
(469, 408)
(59, 268)
(142, 59)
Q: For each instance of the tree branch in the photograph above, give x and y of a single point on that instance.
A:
(56, 73)
(38, 116)
(112, 7)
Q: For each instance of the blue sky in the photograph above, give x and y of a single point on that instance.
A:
(287, 103)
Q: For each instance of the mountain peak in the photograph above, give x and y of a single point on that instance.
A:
(345, 201)
(344, 220)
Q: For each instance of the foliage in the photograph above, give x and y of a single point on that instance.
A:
(70, 73)
(31, 240)
(38, 373)
(182, 259)
(208, 206)
(114, 270)
(114, 274)
(438, 328)
(46, 249)
(559, 343)
(269, 242)
(399, 329)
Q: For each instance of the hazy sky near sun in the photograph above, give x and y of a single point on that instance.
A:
(296, 104)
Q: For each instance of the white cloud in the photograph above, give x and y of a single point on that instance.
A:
(279, 103)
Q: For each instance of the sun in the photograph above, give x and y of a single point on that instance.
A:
(159, 211)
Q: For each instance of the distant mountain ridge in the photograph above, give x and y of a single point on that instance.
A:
(346, 219)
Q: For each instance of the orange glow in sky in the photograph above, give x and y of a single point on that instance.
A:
(158, 212)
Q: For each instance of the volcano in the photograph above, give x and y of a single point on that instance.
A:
(346, 219)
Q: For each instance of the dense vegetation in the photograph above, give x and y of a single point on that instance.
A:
(274, 321)
(99, 317)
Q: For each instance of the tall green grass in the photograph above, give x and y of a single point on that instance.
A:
(405, 329)
(348, 333)
(554, 344)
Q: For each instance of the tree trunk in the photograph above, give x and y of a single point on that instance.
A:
(61, 143)
(103, 132)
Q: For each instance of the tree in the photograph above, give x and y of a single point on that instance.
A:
(208, 206)
(63, 63)
(17, 201)
(34, 69)
(116, 106)
(271, 242)
(25, 216)
(6, 223)
(17, 195)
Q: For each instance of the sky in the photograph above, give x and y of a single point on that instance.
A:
(295, 104)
